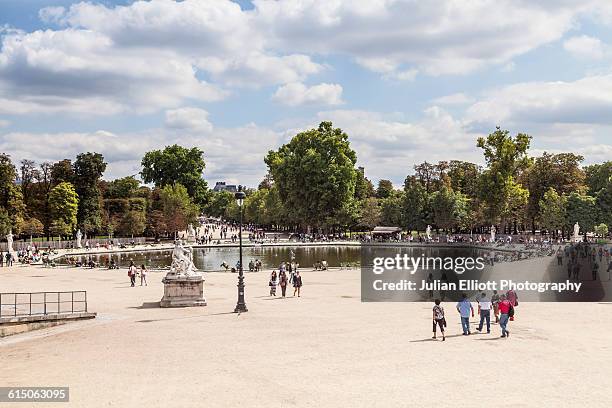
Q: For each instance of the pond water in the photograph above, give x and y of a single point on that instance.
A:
(210, 259)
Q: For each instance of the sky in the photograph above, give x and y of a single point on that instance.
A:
(407, 80)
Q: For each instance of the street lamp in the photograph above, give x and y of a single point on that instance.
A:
(240, 306)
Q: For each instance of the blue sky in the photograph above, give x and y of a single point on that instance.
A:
(408, 80)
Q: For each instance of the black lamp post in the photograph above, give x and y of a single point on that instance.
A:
(240, 306)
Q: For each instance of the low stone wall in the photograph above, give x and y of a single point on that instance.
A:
(21, 324)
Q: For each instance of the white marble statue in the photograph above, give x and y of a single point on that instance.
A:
(182, 261)
(9, 244)
(576, 232)
(191, 234)
(79, 235)
(428, 232)
(493, 231)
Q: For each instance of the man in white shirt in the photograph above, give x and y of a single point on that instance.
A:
(484, 305)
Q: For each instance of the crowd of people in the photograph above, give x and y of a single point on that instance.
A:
(502, 305)
(288, 274)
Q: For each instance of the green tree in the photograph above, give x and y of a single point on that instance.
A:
(385, 188)
(583, 210)
(11, 197)
(178, 207)
(177, 164)
(506, 158)
(561, 172)
(415, 204)
(597, 176)
(363, 187)
(449, 208)
(553, 213)
(464, 177)
(61, 171)
(33, 227)
(370, 213)
(315, 174)
(218, 203)
(392, 210)
(601, 230)
(604, 202)
(132, 223)
(88, 168)
(125, 187)
(63, 204)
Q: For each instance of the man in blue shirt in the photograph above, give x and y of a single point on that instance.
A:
(464, 307)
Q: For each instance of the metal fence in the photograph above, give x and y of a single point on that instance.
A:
(42, 303)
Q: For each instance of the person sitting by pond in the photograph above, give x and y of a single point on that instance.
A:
(251, 266)
(112, 264)
(297, 283)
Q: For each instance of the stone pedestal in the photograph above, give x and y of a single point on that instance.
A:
(183, 291)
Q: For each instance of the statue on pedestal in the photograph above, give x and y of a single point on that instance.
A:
(79, 235)
(493, 231)
(576, 232)
(428, 232)
(183, 285)
(9, 245)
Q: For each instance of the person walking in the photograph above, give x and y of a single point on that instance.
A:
(272, 283)
(484, 306)
(506, 309)
(297, 283)
(143, 275)
(464, 307)
(132, 273)
(282, 281)
(438, 319)
(495, 304)
(513, 299)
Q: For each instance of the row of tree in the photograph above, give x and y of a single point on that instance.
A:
(312, 183)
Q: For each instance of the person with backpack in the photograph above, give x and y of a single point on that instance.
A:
(507, 310)
(438, 319)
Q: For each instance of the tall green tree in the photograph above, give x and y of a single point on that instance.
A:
(416, 204)
(384, 189)
(597, 176)
(449, 208)
(11, 197)
(315, 174)
(64, 205)
(506, 159)
(370, 213)
(88, 169)
(560, 172)
(178, 207)
(553, 211)
(177, 164)
(583, 210)
(363, 186)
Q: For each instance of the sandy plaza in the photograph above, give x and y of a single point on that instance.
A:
(324, 349)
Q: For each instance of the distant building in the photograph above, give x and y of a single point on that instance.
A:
(221, 186)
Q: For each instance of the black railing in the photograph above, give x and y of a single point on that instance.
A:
(42, 303)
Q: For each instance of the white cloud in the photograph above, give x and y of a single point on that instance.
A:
(144, 57)
(296, 93)
(587, 100)
(188, 118)
(454, 99)
(4, 123)
(435, 37)
(585, 47)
